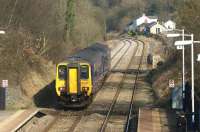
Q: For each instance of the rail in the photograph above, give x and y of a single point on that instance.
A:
(105, 122)
(112, 68)
(118, 51)
(127, 128)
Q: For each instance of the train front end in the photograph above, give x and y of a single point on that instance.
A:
(73, 82)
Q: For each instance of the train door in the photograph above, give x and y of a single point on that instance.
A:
(73, 80)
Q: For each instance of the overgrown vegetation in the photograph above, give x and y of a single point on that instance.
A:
(186, 14)
(188, 17)
(69, 18)
(118, 13)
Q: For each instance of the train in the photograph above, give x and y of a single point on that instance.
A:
(78, 76)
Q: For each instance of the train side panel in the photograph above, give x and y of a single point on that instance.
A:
(98, 55)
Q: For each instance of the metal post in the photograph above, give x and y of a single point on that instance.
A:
(2, 98)
(183, 74)
(3, 88)
(186, 127)
(192, 72)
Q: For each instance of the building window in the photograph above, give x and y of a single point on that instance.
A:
(157, 30)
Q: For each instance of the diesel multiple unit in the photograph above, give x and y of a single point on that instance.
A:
(77, 77)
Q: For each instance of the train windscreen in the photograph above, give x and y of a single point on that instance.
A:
(62, 72)
(84, 72)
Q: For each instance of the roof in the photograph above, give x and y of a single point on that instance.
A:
(151, 24)
(91, 54)
(169, 21)
(143, 24)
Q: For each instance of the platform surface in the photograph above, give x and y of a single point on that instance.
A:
(5, 114)
(156, 120)
(9, 121)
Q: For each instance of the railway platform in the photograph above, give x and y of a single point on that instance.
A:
(10, 120)
(156, 120)
(5, 114)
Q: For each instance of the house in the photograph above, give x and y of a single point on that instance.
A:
(141, 28)
(155, 28)
(140, 23)
(146, 19)
(170, 25)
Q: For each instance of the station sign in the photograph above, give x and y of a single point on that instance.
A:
(4, 83)
(171, 84)
(177, 98)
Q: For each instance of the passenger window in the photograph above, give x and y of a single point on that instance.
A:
(62, 72)
(84, 72)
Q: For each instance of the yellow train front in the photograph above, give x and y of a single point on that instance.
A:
(78, 77)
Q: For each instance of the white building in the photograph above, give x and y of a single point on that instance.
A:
(170, 25)
(156, 28)
(146, 19)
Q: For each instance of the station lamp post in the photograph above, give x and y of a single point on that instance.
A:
(183, 35)
(191, 43)
(3, 87)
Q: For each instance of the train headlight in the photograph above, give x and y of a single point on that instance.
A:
(61, 89)
(85, 88)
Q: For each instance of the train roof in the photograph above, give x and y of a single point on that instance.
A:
(91, 53)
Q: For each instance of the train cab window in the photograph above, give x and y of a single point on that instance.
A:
(84, 72)
(62, 72)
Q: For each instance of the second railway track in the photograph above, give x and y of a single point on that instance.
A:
(109, 113)
(112, 106)
(130, 118)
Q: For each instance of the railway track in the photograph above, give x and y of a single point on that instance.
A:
(118, 60)
(117, 51)
(131, 107)
(120, 49)
(109, 113)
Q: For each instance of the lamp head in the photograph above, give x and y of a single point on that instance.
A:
(2, 32)
(173, 35)
(183, 43)
(198, 57)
